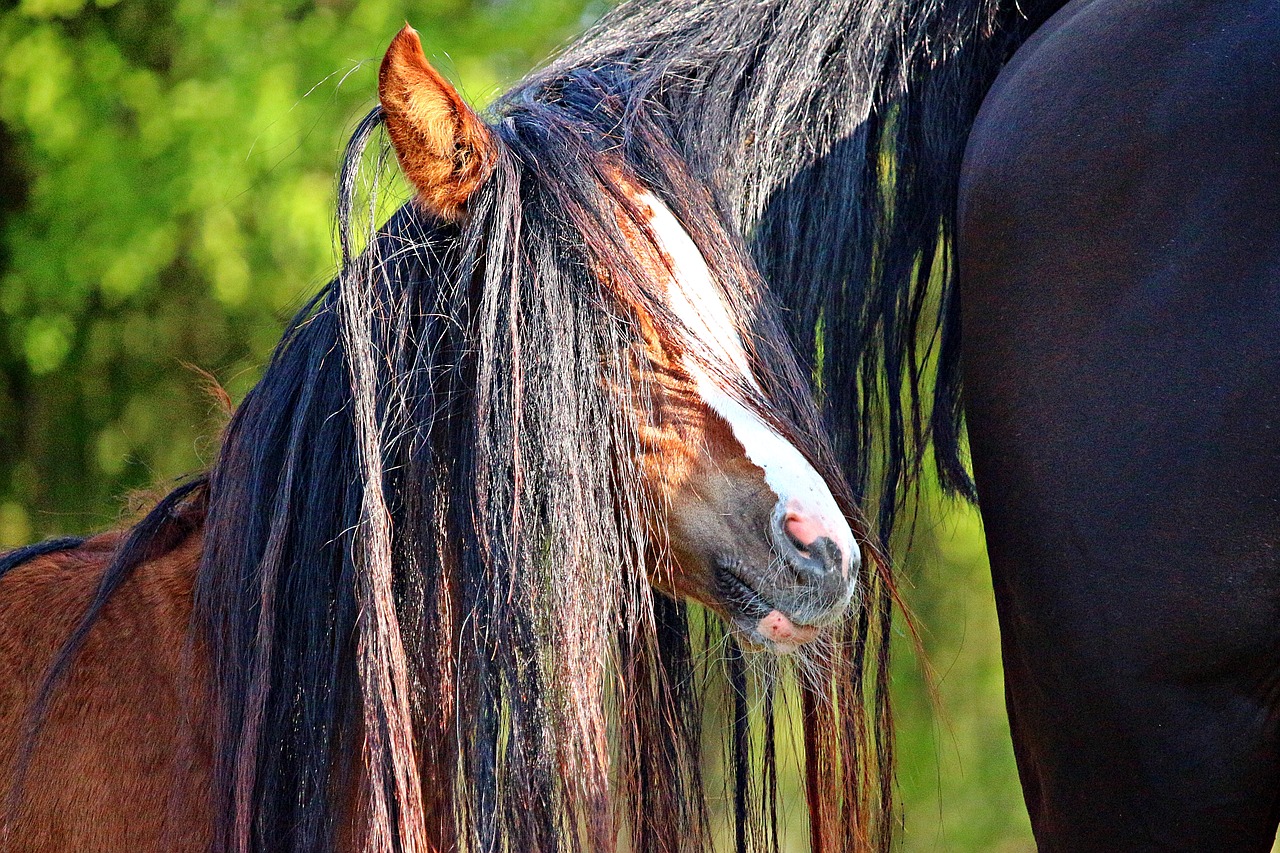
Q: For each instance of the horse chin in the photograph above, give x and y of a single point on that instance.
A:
(770, 604)
(776, 632)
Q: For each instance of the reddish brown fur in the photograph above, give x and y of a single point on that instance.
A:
(127, 733)
(444, 148)
(694, 463)
(126, 746)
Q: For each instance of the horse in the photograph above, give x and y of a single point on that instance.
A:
(435, 592)
(1065, 211)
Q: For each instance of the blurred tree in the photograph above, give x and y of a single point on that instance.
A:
(166, 194)
(168, 176)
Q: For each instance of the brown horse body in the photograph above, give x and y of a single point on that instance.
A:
(122, 761)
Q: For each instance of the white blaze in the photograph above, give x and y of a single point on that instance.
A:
(694, 297)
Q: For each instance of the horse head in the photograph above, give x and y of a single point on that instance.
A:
(744, 522)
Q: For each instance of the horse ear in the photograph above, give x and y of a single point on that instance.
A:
(444, 149)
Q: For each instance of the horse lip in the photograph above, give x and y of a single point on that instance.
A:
(737, 593)
(747, 604)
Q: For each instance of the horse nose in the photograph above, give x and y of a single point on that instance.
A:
(811, 545)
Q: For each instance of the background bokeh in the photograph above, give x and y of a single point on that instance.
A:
(166, 189)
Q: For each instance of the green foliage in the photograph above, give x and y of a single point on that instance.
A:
(168, 173)
(956, 771)
(166, 196)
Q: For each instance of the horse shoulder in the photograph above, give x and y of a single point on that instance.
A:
(122, 759)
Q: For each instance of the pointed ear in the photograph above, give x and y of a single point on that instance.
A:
(444, 148)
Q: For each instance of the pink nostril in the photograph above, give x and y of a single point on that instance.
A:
(803, 530)
(815, 538)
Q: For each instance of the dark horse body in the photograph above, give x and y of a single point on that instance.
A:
(1119, 268)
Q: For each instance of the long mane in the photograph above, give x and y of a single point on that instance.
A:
(426, 550)
(424, 589)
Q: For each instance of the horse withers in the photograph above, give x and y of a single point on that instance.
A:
(409, 607)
